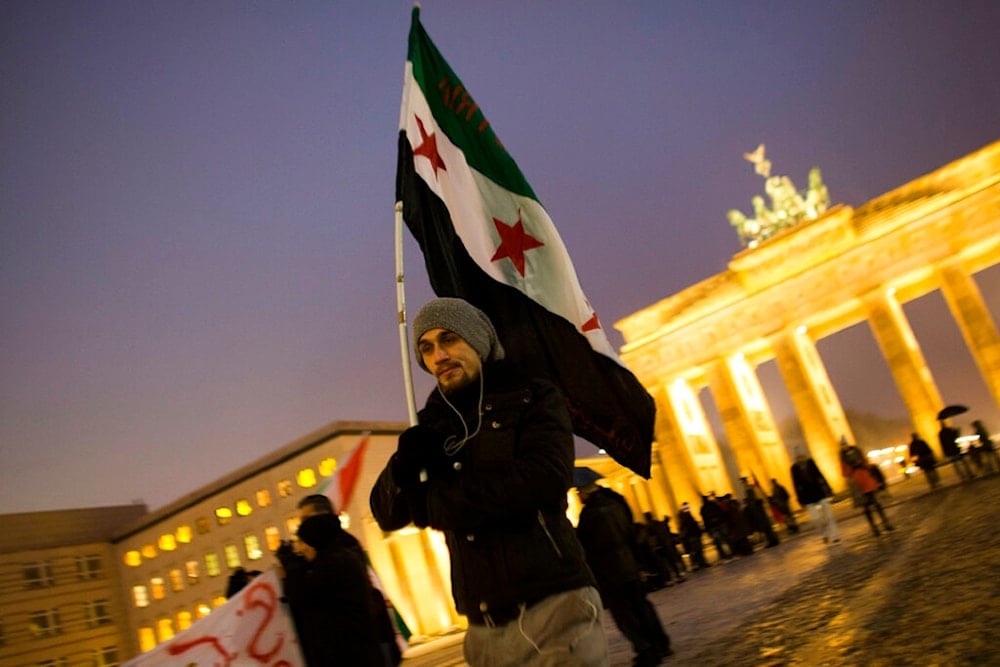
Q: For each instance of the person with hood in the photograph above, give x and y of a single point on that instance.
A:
(489, 464)
(609, 539)
(329, 594)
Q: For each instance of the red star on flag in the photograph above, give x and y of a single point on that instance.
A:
(592, 324)
(514, 242)
(428, 148)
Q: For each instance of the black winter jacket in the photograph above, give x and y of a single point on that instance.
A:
(501, 499)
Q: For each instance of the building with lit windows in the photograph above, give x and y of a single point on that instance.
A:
(60, 598)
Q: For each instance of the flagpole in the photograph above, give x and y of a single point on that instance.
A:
(404, 340)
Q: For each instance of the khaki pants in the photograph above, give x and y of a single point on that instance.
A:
(563, 630)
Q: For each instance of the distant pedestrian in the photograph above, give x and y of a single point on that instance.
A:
(606, 531)
(758, 517)
(691, 533)
(855, 468)
(991, 463)
(736, 524)
(813, 492)
(781, 499)
(714, 520)
(948, 437)
(923, 457)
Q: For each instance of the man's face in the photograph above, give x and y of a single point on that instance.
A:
(449, 358)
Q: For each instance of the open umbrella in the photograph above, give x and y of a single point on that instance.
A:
(950, 411)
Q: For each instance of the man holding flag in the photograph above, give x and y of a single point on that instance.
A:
(489, 464)
(487, 239)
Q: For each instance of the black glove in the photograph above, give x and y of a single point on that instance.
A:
(415, 450)
(287, 557)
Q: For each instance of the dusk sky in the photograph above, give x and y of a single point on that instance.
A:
(196, 198)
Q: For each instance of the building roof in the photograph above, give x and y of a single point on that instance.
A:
(29, 531)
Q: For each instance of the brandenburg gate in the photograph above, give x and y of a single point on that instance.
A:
(809, 270)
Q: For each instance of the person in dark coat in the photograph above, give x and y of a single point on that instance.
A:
(991, 463)
(948, 438)
(489, 465)
(608, 537)
(757, 516)
(714, 521)
(923, 457)
(385, 630)
(329, 594)
(781, 499)
(691, 534)
(814, 493)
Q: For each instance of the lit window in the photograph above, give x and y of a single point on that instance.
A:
(243, 507)
(285, 488)
(218, 601)
(132, 558)
(212, 568)
(167, 542)
(184, 620)
(202, 610)
(223, 515)
(327, 466)
(202, 525)
(147, 639)
(273, 538)
(149, 551)
(97, 612)
(232, 556)
(107, 656)
(88, 567)
(263, 498)
(140, 596)
(165, 629)
(292, 524)
(191, 569)
(184, 534)
(252, 546)
(157, 588)
(306, 478)
(45, 623)
(38, 574)
(176, 580)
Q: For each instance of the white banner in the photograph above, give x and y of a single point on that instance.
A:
(253, 628)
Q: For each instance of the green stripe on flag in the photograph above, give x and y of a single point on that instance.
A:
(458, 116)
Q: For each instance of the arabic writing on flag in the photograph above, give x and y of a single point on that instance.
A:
(487, 239)
(252, 628)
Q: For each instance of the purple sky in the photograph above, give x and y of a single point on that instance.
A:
(196, 258)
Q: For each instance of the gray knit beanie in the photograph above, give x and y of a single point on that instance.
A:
(464, 319)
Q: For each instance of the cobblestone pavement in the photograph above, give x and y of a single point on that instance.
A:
(925, 594)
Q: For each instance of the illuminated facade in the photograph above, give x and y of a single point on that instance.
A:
(59, 593)
(777, 299)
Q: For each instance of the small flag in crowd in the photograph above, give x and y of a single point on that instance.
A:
(487, 239)
(339, 487)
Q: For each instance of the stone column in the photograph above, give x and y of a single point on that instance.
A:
(688, 451)
(748, 422)
(978, 329)
(816, 403)
(906, 362)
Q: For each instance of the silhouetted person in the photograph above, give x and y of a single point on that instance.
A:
(948, 437)
(814, 493)
(607, 534)
(991, 463)
(923, 457)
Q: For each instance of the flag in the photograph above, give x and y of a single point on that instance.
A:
(339, 487)
(252, 628)
(486, 238)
